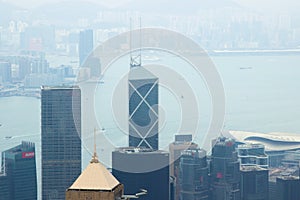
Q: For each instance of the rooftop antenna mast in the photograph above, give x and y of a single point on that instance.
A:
(140, 56)
(95, 157)
(136, 60)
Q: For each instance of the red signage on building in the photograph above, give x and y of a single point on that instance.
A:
(219, 175)
(27, 154)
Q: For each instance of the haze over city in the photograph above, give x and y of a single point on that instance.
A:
(156, 100)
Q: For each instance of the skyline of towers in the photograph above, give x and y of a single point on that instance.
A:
(143, 108)
(61, 139)
(18, 180)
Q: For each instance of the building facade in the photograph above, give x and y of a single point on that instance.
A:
(86, 45)
(288, 187)
(5, 72)
(254, 183)
(61, 139)
(140, 168)
(19, 173)
(225, 170)
(143, 108)
(193, 177)
(4, 193)
(182, 142)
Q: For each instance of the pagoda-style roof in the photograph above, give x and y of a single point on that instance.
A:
(95, 177)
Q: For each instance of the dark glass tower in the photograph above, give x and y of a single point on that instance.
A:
(288, 188)
(86, 45)
(193, 176)
(4, 193)
(139, 168)
(182, 142)
(143, 108)
(18, 179)
(225, 172)
(254, 183)
(61, 142)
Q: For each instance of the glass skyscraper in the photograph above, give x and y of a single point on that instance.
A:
(86, 45)
(193, 176)
(225, 170)
(141, 168)
(143, 108)
(254, 183)
(61, 139)
(18, 180)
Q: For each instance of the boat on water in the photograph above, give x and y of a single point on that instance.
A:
(7, 137)
(150, 58)
(245, 67)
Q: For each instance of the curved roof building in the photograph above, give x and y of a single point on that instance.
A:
(274, 141)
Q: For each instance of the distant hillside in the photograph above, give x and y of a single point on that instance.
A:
(68, 11)
(176, 6)
(6, 11)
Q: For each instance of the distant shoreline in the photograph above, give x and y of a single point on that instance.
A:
(262, 52)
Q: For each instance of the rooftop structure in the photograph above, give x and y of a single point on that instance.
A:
(252, 155)
(95, 182)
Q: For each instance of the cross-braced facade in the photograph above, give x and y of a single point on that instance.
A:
(143, 108)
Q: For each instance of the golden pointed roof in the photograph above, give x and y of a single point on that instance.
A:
(95, 176)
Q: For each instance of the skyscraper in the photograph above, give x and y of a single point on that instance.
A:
(225, 172)
(140, 168)
(61, 142)
(86, 45)
(5, 72)
(143, 108)
(4, 193)
(254, 183)
(181, 143)
(193, 176)
(288, 187)
(18, 179)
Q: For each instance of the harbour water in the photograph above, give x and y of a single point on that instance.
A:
(262, 95)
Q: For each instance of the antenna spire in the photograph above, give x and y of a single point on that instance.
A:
(95, 157)
(136, 60)
(140, 56)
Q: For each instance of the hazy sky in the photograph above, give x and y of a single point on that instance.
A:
(34, 3)
(271, 5)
